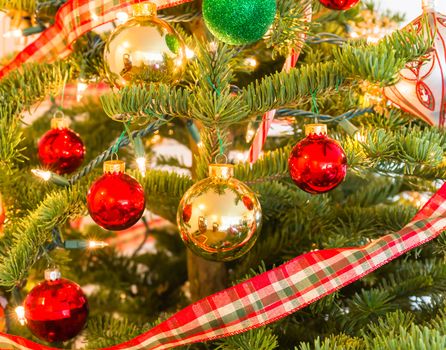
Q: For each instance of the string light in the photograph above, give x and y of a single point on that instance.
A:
(16, 33)
(189, 53)
(141, 162)
(44, 175)
(97, 244)
(140, 155)
(20, 312)
(122, 17)
(81, 88)
(359, 137)
(48, 175)
(80, 244)
(251, 62)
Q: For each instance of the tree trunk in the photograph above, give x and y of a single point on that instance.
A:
(205, 277)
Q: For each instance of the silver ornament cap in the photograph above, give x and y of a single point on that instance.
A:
(52, 274)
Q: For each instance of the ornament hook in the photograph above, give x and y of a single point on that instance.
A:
(221, 158)
(59, 114)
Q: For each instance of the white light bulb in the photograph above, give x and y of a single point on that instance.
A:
(250, 61)
(189, 53)
(16, 33)
(20, 312)
(45, 175)
(122, 17)
(81, 87)
(141, 161)
(95, 244)
(359, 137)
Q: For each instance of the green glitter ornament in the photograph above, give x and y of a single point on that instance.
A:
(239, 22)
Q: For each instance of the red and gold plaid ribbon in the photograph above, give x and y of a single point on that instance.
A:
(277, 293)
(75, 18)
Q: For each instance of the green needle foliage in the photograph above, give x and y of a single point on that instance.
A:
(395, 163)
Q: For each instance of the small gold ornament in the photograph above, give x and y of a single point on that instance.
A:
(145, 49)
(219, 217)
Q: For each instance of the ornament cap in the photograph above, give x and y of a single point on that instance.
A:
(52, 274)
(60, 123)
(147, 9)
(114, 166)
(318, 129)
(222, 171)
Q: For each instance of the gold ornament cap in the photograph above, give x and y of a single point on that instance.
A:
(222, 171)
(114, 166)
(147, 9)
(318, 129)
(60, 123)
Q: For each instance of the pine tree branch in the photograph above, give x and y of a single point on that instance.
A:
(33, 232)
(148, 103)
(20, 89)
(17, 94)
(257, 339)
(28, 6)
(289, 27)
(164, 191)
(380, 63)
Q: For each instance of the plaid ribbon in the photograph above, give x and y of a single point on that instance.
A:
(277, 293)
(267, 119)
(75, 18)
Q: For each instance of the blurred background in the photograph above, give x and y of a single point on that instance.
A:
(410, 8)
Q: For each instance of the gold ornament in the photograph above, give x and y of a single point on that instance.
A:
(219, 217)
(145, 49)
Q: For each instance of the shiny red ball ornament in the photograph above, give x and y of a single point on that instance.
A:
(339, 4)
(61, 149)
(116, 200)
(56, 309)
(317, 164)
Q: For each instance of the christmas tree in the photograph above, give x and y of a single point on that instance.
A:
(306, 239)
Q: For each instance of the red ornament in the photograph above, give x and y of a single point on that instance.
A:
(56, 309)
(116, 200)
(339, 4)
(317, 164)
(61, 149)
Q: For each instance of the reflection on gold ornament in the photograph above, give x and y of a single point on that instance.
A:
(144, 49)
(219, 217)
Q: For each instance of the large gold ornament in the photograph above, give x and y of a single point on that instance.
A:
(219, 217)
(145, 49)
